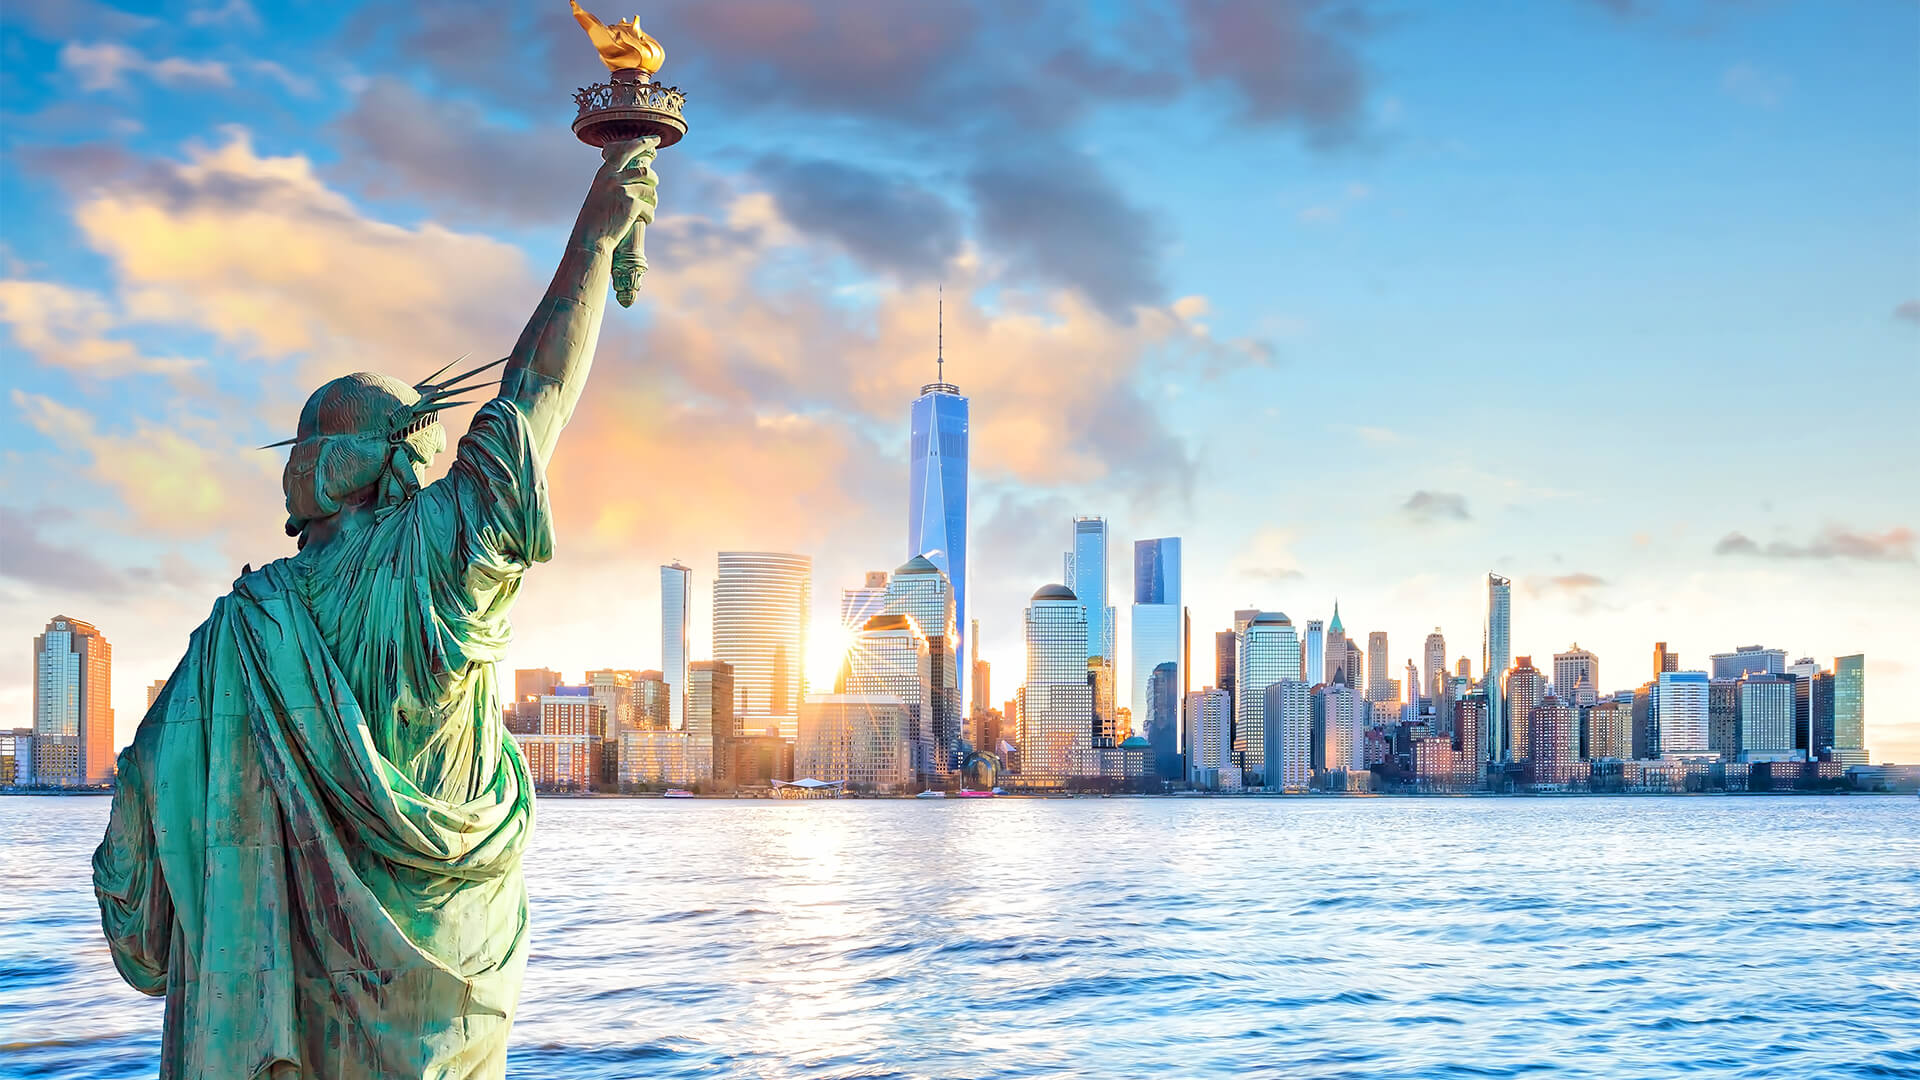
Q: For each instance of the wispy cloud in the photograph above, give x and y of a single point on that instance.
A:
(1436, 506)
(1895, 545)
(105, 66)
(1750, 85)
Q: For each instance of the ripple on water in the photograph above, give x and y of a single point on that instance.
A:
(1721, 938)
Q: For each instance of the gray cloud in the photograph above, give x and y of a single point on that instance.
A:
(887, 222)
(1436, 506)
(1896, 545)
(954, 85)
(1908, 310)
(397, 142)
(1283, 61)
(27, 557)
(1058, 219)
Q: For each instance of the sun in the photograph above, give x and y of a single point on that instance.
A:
(827, 644)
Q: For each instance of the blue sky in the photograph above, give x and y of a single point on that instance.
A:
(1630, 289)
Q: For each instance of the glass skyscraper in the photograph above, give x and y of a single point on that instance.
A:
(1269, 652)
(676, 596)
(1056, 704)
(1159, 638)
(1494, 661)
(1850, 709)
(937, 491)
(762, 602)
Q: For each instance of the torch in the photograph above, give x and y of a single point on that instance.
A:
(629, 105)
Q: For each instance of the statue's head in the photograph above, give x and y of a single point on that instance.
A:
(362, 437)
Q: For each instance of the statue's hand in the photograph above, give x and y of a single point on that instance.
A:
(624, 192)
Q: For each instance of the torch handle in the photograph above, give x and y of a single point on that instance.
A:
(629, 264)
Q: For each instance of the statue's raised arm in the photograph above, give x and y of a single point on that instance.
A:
(549, 364)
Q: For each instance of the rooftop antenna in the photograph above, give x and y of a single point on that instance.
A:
(940, 335)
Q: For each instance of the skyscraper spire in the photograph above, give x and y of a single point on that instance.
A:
(1336, 627)
(940, 335)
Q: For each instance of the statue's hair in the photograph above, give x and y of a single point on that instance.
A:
(356, 432)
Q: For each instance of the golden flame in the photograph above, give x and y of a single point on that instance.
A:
(622, 46)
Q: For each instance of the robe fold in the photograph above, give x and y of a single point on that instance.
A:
(314, 849)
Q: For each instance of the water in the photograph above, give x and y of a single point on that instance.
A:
(1639, 937)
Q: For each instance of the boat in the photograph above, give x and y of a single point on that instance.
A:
(930, 794)
(968, 793)
(677, 793)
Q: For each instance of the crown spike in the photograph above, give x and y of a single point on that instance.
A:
(428, 381)
(469, 373)
(282, 442)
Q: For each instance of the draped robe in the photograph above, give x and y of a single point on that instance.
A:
(314, 850)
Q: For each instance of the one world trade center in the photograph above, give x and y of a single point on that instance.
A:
(937, 490)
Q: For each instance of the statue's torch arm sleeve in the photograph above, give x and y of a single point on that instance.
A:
(549, 364)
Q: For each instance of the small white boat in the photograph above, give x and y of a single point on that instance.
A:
(931, 795)
(677, 793)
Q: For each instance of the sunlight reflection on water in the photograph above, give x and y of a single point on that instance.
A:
(1715, 937)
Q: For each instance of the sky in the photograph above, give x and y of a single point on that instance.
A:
(1619, 298)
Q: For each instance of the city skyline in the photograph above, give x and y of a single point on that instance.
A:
(1481, 292)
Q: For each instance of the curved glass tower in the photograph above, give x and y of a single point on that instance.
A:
(937, 492)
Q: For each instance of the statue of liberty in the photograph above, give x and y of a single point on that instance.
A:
(314, 851)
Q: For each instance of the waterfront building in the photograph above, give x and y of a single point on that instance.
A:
(710, 716)
(1163, 720)
(890, 655)
(859, 605)
(1086, 568)
(652, 704)
(1645, 727)
(920, 591)
(1525, 687)
(979, 690)
(1433, 676)
(759, 760)
(1683, 713)
(153, 691)
(1723, 716)
(1553, 751)
(1664, 659)
(73, 738)
(560, 762)
(1056, 703)
(16, 757)
(1269, 652)
(1159, 647)
(532, 684)
(662, 758)
(1338, 739)
(1748, 660)
(1313, 652)
(1379, 669)
(1208, 741)
(937, 484)
(1469, 724)
(862, 740)
(1765, 711)
(1287, 713)
(1412, 685)
(1464, 669)
(1496, 654)
(1576, 676)
(676, 604)
(1818, 692)
(1226, 653)
(762, 602)
(614, 689)
(1849, 744)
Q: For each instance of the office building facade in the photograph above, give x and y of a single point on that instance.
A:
(937, 503)
(73, 736)
(762, 603)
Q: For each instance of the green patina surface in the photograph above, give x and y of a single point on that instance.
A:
(314, 851)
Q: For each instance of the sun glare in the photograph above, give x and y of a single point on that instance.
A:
(827, 644)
